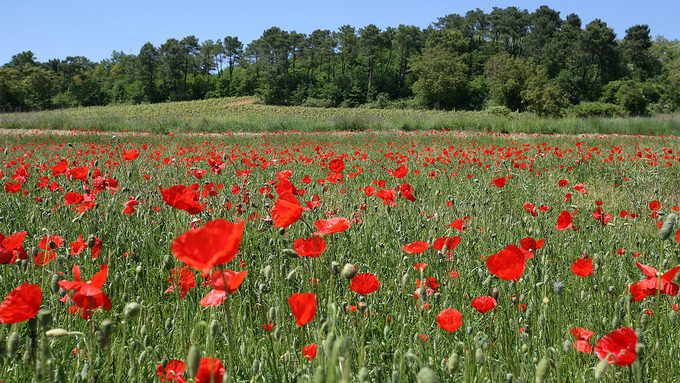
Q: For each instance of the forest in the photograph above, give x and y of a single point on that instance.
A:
(507, 60)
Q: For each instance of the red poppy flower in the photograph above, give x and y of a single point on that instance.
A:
(365, 283)
(562, 183)
(652, 283)
(130, 206)
(654, 205)
(336, 165)
(564, 221)
(303, 307)
(78, 246)
(21, 304)
(387, 195)
(484, 304)
(499, 182)
(529, 207)
(44, 243)
(369, 191)
(332, 225)
(129, 155)
(620, 343)
(224, 281)
(287, 210)
(450, 320)
(11, 247)
(172, 372)
(182, 198)
(182, 278)
(582, 335)
(580, 188)
(12, 187)
(407, 192)
(508, 263)
(88, 295)
(531, 244)
(79, 173)
(400, 172)
(416, 247)
(209, 370)
(212, 244)
(73, 198)
(582, 267)
(450, 242)
(460, 224)
(420, 266)
(310, 247)
(309, 351)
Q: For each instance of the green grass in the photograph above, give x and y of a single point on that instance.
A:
(220, 115)
(510, 339)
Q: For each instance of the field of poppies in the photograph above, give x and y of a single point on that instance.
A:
(339, 256)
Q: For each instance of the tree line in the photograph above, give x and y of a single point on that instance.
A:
(509, 60)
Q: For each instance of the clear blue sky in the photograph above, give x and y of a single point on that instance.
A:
(95, 28)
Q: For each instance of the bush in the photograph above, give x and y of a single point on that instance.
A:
(596, 109)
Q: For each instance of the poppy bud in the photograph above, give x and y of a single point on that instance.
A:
(410, 355)
(479, 356)
(404, 280)
(168, 324)
(132, 310)
(542, 370)
(268, 271)
(453, 363)
(616, 321)
(495, 292)
(427, 375)
(56, 333)
(602, 366)
(509, 377)
(282, 231)
(168, 262)
(335, 267)
(272, 313)
(90, 241)
(363, 374)
(567, 346)
(525, 348)
(349, 271)
(363, 306)
(214, 329)
(290, 253)
(395, 376)
(292, 274)
(667, 228)
(255, 368)
(12, 344)
(193, 360)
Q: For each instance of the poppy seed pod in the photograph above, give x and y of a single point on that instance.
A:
(349, 271)
(567, 346)
(132, 310)
(602, 366)
(542, 370)
(427, 375)
(193, 360)
(91, 241)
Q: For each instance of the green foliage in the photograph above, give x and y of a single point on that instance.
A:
(588, 109)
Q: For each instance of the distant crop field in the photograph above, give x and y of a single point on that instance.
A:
(338, 256)
(245, 114)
